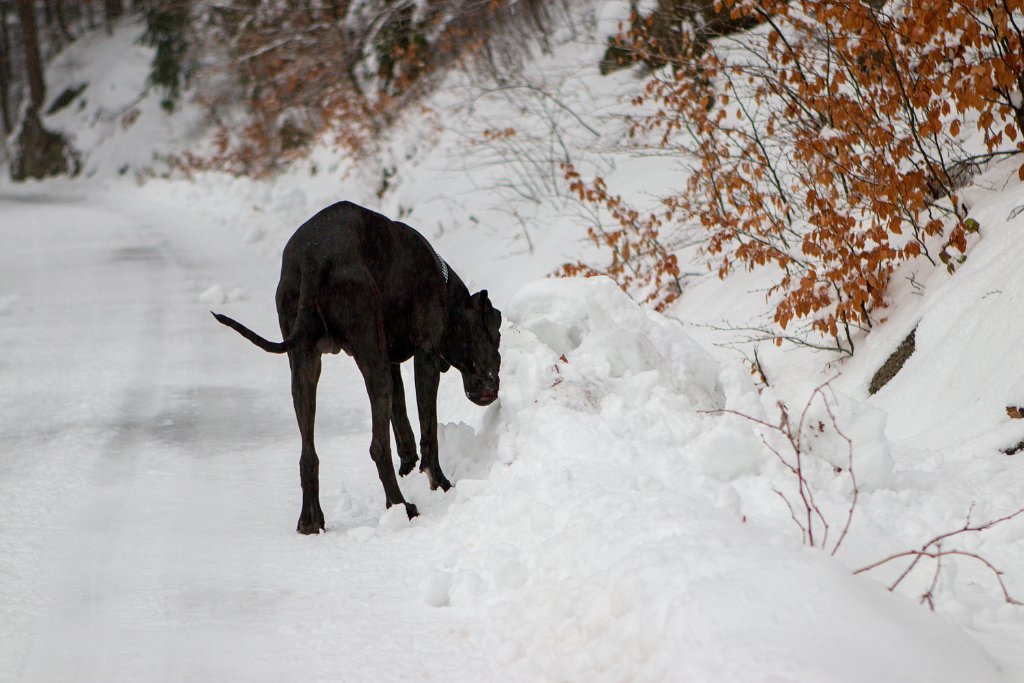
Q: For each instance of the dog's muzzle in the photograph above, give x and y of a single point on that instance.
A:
(485, 397)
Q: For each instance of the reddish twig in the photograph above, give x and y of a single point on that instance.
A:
(929, 595)
(853, 478)
(932, 549)
(792, 513)
(810, 510)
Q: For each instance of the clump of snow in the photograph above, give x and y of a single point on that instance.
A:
(594, 331)
(865, 425)
(437, 589)
(836, 428)
(214, 294)
(730, 449)
(394, 518)
(218, 294)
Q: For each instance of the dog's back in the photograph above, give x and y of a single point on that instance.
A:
(346, 242)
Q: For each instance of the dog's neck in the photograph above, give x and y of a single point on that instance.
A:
(455, 289)
(458, 297)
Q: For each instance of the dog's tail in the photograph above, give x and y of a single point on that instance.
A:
(306, 309)
(265, 344)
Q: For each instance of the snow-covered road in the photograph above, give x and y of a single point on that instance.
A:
(149, 488)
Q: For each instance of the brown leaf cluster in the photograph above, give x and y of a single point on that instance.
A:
(828, 143)
(639, 261)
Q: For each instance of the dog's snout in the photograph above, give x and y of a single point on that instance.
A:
(486, 395)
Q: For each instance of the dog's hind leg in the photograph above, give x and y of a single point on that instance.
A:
(305, 365)
(404, 437)
(428, 376)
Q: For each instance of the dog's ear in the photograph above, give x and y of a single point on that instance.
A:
(480, 300)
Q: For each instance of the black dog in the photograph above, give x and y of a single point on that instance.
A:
(355, 281)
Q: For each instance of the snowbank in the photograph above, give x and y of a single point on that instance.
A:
(609, 542)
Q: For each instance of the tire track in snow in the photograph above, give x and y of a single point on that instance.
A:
(127, 306)
(116, 561)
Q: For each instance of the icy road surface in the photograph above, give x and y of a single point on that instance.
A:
(602, 528)
(150, 479)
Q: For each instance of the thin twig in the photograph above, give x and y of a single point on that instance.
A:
(926, 551)
(795, 465)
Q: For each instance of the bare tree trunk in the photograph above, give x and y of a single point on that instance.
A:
(33, 60)
(38, 153)
(112, 10)
(5, 71)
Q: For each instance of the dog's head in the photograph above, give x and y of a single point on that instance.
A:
(471, 345)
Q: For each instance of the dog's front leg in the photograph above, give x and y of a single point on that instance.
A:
(404, 438)
(428, 376)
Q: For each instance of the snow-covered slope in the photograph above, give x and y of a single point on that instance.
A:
(609, 521)
(116, 122)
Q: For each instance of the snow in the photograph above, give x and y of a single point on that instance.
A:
(117, 120)
(603, 524)
(611, 519)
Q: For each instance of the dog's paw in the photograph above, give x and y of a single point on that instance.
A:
(437, 480)
(407, 466)
(411, 510)
(310, 524)
(307, 528)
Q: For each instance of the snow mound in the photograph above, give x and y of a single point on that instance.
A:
(600, 337)
(609, 540)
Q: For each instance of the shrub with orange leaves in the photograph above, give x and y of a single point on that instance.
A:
(640, 262)
(828, 143)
